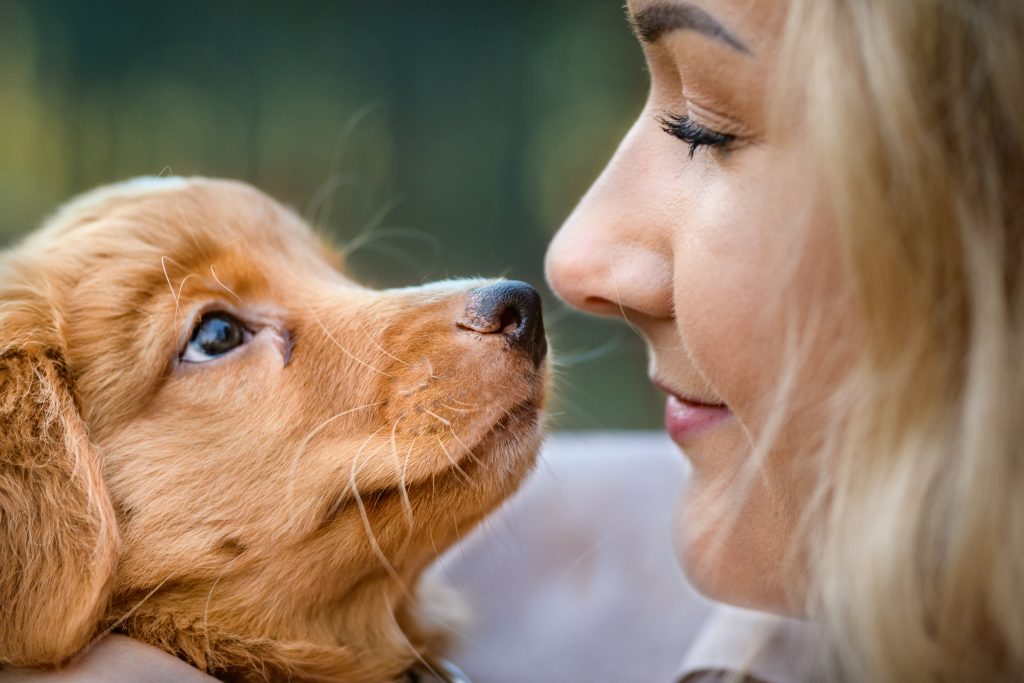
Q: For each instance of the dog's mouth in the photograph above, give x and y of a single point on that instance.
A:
(522, 415)
(519, 419)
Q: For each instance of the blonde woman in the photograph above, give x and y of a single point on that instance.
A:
(816, 224)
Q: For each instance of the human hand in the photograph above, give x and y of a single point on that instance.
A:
(115, 659)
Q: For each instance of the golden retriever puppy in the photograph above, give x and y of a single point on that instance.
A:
(216, 442)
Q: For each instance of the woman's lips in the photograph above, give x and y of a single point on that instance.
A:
(684, 419)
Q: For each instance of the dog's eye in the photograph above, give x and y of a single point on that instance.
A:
(215, 335)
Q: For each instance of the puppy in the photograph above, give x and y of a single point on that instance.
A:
(218, 443)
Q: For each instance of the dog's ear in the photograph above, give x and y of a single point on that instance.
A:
(58, 534)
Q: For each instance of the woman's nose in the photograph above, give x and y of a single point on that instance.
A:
(611, 257)
(574, 270)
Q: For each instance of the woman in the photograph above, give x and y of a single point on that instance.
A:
(815, 225)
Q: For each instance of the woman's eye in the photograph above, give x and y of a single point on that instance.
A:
(682, 126)
(214, 335)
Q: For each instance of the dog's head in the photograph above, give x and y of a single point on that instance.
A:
(211, 432)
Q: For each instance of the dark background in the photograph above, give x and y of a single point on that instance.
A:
(441, 139)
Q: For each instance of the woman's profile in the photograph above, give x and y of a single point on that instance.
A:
(815, 224)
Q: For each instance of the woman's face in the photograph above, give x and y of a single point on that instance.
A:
(706, 233)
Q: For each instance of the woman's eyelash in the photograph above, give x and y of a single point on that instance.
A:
(682, 126)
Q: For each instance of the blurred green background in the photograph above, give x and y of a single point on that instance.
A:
(443, 138)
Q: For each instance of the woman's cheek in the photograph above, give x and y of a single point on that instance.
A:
(740, 284)
(747, 304)
(725, 292)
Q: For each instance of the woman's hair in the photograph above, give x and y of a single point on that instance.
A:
(915, 110)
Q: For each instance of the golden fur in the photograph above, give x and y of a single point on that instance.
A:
(263, 515)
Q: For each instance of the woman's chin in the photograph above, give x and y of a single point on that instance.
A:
(726, 549)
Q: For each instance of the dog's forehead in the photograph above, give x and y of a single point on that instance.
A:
(216, 215)
(185, 220)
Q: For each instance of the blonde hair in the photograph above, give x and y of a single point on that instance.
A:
(915, 109)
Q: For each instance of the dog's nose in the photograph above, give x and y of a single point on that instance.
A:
(511, 309)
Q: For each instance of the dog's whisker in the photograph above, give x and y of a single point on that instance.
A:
(342, 348)
(376, 242)
(465, 447)
(371, 225)
(226, 288)
(127, 615)
(181, 286)
(588, 552)
(459, 410)
(458, 589)
(388, 353)
(556, 316)
(415, 651)
(206, 608)
(405, 468)
(571, 359)
(446, 423)
(174, 294)
(340, 146)
(189, 231)
(324, 193)
(326, 421)
(290, 497)
(405, 498)
(367, 526)
(452, 460)
(400, 471)
(398, 255)
(455, 400)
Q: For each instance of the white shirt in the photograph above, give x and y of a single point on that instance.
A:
(765, 647)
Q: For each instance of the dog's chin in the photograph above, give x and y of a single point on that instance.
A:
(515, 436)
(519, 429)
(487, 469)
(491, 468)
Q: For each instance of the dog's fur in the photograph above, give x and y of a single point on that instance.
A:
(263, 515)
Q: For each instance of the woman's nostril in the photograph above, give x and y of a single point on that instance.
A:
(597, 305)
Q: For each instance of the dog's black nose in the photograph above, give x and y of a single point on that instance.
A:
(511, 309)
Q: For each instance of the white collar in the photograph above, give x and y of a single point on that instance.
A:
(437, 671)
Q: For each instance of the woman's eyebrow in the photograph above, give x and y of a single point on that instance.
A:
(651, 23)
